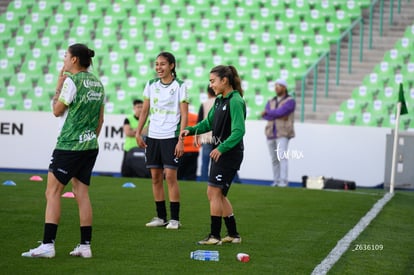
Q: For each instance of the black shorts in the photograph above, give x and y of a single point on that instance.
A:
(223, 172)
(160, 153)
(66, 165)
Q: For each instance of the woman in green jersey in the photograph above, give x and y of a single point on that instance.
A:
(226, 120)
(79, 104)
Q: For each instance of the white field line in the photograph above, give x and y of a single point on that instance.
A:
(343, 244)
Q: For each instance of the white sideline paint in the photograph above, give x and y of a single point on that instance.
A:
(346, 241)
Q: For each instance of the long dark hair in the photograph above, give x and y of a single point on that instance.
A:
(82, 52)
(171, 60)
(231, 74)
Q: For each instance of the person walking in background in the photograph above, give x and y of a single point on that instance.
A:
(205, 139)
(226, 120)
(166, 103)
(189, 160)
(279, 113)
(79, 103)
(130, 144)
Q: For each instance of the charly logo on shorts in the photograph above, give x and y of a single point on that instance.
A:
(62, 171)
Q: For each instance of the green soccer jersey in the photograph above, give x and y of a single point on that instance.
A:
(84, 95)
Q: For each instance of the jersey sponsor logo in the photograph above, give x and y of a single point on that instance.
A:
(93, 96)
(91, 83)
(87, 136)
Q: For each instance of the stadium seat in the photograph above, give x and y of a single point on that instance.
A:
(394, 57)
(369, 119)
(352, 105)
(320, 43)
(342, 118)
(330, 31)
(353, 10)
(362, 93)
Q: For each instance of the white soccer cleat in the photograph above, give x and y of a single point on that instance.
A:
(82, 250)
(156, 222)
(173, 224)
(210, 240)
(231, 239)
(44, 250)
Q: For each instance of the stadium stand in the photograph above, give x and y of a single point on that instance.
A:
(374, 102)
(128, 35)
(263, 39)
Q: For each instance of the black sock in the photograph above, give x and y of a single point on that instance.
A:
(230, 222)
(215, 226)
(49, 234)
(86, 234)
(161, 210)
(175, 210)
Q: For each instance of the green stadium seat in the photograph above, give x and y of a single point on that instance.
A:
(396, 79)
(320, 43)
(355, 106)
(353, 10)
(7, 68)
(308, 53)
(405, 47)
(79, 33)
(304, 30)
(238, 13)
(362, 93)
(316, 19)
(109, 108)
(369, 119)
(374, 82)
(19, 6)
(378, 108)
(13, 19)
(388, 121)
(389, 93)
(12, 97)
(341, 18)
(394, 58)
(342, 118)
(5, 32)
(408, 71)
(330, 31)
(301, 7)
(290, 17)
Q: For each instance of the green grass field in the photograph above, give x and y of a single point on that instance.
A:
(285, 230)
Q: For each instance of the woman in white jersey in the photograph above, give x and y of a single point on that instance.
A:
(166, 104)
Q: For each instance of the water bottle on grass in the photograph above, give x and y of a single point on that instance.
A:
(205, 255)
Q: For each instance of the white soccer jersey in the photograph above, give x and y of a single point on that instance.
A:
(164, 112)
